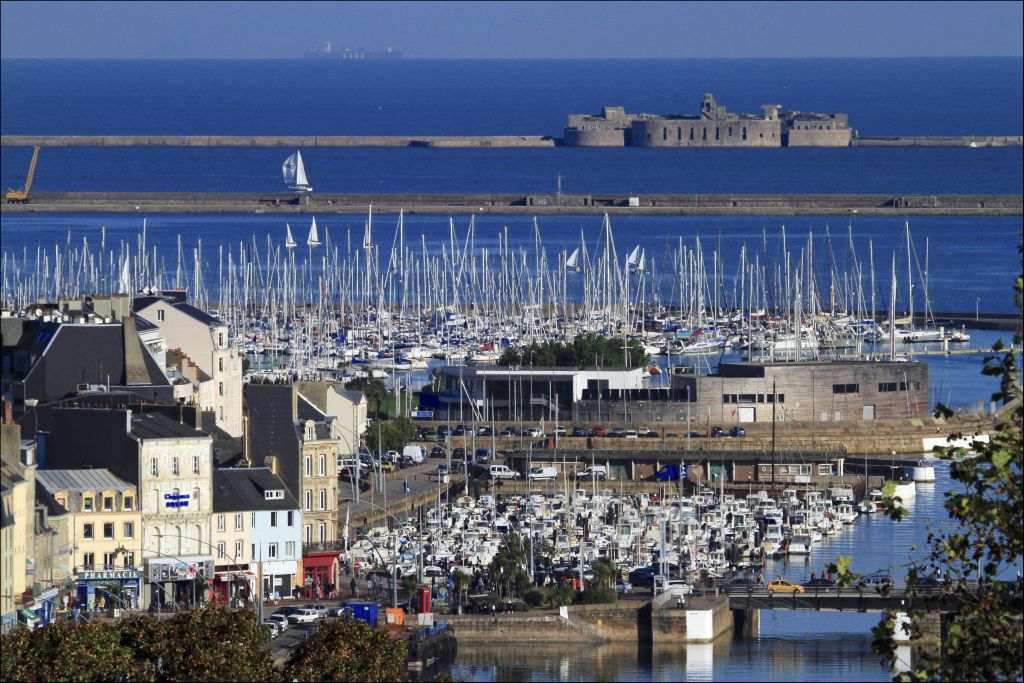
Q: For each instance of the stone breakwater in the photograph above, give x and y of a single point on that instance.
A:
(512, 204)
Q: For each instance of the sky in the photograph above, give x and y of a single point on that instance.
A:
(503, 30)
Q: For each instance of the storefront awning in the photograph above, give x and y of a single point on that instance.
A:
(28, 614)
(234, 574)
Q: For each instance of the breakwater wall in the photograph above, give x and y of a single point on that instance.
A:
(459, 141)
(574, 204)
(298, 141)
(939, 141)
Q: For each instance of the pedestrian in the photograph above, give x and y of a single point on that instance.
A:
(277, 597)
(354, 588)
(813, 576)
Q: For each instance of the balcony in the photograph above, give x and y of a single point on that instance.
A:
(326, 546)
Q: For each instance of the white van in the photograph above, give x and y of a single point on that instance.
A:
(415, 454)
(502, 472)
(597, 471)
(542, 474)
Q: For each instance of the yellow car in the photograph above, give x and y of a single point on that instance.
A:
(783, 586)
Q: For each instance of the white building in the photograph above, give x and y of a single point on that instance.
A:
(199, 350)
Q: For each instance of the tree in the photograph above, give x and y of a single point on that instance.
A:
(215, 643)
(67, 651)
(583, 350)
(374, 388)
(347, 650)
(390, 435)
(984, 639)
(507, 565)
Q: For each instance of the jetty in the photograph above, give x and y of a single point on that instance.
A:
(525, 204)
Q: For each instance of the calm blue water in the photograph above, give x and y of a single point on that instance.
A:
(452, 97)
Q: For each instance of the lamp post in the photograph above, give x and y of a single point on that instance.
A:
(394, 563)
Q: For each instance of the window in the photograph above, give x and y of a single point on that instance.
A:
(88, 559)
(888, 386)
(323, 499)
(87, 503)
(220, 340)
(87, 532)
(220, 550)
(899, 386)
(252, 520)
(323, 532)
(704, 134)
(129, 560)
(824, 468)
(154, 467)
(728, 398)
(129, 530)
(289, 549)
(253, 548)
(174, 465)
(220, 388)
(108, 503)
(195, 464)
(309, 533)
(220, 364)
(717, 129)
(309, 466)
(845, 388)
(108, 560)
(679, 133)
(664, 133)
(108, 530)
(322, 469)
(238, 521)
(273, 518)
(691, 133)
(309, 499)
(220, 522)
(238, 550)
(744, 132)
(748, 398)
(129, 503)
(160, 314)
(291, 518)
(272, 550)
(730, 131)
(195, 498)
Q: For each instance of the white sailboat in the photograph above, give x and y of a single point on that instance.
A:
(295, 173)
(289, 241)
(314, 238)
(573, 262)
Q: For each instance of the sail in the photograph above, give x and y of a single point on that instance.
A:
(289, 241)
(314, 237)
(634, 256)
(640, 265)
(573, 260)
(288, 169)
(300, 171)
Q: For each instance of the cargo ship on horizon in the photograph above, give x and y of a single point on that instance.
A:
(327, 50)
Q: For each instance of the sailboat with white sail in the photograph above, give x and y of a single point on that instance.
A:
(295, 173)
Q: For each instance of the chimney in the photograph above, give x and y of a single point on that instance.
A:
(246, 457)
(271, 462)
(8, 415)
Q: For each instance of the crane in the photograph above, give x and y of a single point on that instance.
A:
(21, 196)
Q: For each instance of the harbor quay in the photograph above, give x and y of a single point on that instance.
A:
(522, 204)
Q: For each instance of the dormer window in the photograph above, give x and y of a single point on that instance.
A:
(273, 494)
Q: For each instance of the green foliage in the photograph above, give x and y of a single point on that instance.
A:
(585, 350)
(534, 597)
(65, 651)
(597, 594)
(376, 393)
(509, 565)
(605, 573)
(347, 650)
(560, 596)
(390, 435)
(984, 637)
(212, 643)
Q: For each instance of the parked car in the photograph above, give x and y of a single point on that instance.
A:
(744, 584)
(718, 432)
(631, 434)
(533, 432)
(559, 430)
(438, 452)
(619, 432)
(485, 431)
(386, 465)
(281, 620)
(878, 581)
(694, 435)
(303, 615)
(416, 454)
(483, 456)
(597, 471)
(429, 435)
(784, 586)
(669, 472)
(321, 610)
(338, 611)
(510, 431)
(458, 467)
(739, 432)
(623, 587)
(442, 469)
(459, 453)
(444, 431)
(597, 431)
(542, 474)
(460, 430)
(502, 472)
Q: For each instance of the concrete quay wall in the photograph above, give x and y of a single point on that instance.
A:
(939, 141)
(517, 204)
(298, 141)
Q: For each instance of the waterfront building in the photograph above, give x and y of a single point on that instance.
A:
(48, 357)
(295, 440)
(714, 126)
(526, 393)
(198, 349)
(346, 410)
(256, 531)
(105, 534)
(17, 490)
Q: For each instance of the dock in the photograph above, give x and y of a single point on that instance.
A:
(523, 204)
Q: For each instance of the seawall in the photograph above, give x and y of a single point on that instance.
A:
(512, 204)
(298, 141)
(939, 141)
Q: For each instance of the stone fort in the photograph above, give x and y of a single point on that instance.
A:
(713, 127)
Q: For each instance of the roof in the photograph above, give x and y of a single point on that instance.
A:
(350, 395)
(272, 430)
(242, 489)
(143, 325)
(143, 302)
(307, 411)
(82, 481)
(157, 426)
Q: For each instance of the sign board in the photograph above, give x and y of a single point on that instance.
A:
(422, 414)
(176, 500)
(110, 574)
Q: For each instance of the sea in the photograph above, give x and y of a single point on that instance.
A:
(970, 262)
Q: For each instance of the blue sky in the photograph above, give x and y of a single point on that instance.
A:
(512, 29)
